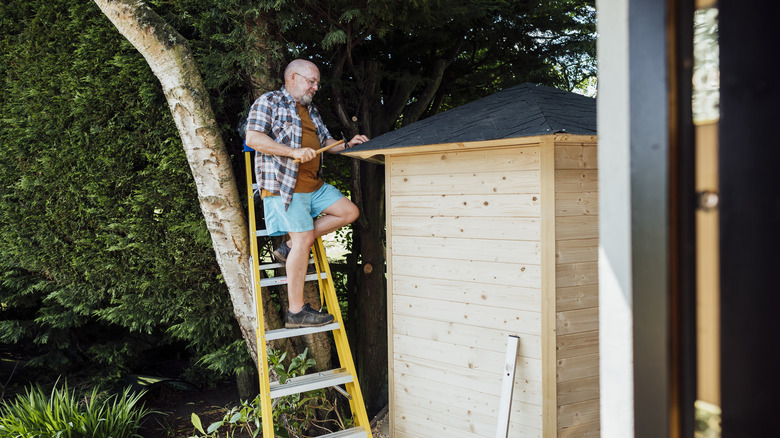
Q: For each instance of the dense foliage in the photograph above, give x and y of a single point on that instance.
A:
(104, 253)
(391, 63)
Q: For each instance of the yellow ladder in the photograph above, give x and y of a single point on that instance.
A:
(346, 375)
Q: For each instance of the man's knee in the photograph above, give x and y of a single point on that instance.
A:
(345, 210)
(302, 240)
(352, 213)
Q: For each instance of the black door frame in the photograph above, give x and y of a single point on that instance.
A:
(749, 217)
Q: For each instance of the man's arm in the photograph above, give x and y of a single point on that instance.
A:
(356, 140)
(263, 143)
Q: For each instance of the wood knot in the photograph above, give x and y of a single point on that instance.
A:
(367, 268)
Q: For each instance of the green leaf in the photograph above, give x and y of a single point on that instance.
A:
(334, 38)
(214, 426)
(349, 15)
(196, 422)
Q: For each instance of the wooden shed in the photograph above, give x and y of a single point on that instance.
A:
(492, 231)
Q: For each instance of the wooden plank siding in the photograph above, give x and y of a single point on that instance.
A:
(459, 184)
(548, 283)
(520, 322)
(466, 274)
(576, 277)
(484, 241)
(514, 251)
(488, 228)
(507, 296)
(493, 340)
(479, 205)
(392, 400)
(468, 162)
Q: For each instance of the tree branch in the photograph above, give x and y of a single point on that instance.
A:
(415, 110)
(338, 102)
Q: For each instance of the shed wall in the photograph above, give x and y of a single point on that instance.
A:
(464, 262)
(576, 278)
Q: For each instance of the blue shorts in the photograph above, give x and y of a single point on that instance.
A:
(304, 207)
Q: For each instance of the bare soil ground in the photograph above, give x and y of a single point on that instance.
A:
(176, 408)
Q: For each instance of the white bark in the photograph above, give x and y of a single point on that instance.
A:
(170, 59)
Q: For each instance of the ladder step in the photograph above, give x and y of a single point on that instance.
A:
(268, 266)
(355, 432)
(310, 382)
(275, 281)
(292, 332)
(261, 233)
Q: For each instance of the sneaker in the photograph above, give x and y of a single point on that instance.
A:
(307, 317)
(282, 252)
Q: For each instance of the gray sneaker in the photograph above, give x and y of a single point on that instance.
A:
(282, 252)
(307, 317)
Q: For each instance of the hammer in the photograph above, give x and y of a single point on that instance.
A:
(321, 150)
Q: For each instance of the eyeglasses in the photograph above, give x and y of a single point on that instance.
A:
(312, 82)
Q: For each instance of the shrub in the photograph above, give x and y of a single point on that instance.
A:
(63, 414)
(293, 414)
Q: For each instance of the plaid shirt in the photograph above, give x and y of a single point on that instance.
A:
(275, 114)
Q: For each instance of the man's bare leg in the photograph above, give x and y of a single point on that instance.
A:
(296, 264)
(341, 213)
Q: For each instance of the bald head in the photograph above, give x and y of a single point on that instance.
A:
(300, 66)
(302, 80)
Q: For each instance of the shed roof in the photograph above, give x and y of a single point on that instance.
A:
(521, 111)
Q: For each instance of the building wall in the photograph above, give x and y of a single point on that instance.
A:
(576, 280)
(464, 267)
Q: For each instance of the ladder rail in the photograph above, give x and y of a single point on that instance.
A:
(262, 352)
(329, 298)
(356, 402)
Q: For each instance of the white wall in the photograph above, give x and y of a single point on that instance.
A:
(615, 314)
(633, 270)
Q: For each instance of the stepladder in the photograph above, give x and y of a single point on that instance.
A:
(344, 378)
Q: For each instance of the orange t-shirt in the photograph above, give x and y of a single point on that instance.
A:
(308, 180)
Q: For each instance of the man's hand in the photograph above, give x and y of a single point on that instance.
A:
(263, 143)
(303, 154)
(356, 140)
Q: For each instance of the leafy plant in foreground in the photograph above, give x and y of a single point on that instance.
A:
(63, 414)
(293, 414)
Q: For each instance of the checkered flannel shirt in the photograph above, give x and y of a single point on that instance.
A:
(275, 114)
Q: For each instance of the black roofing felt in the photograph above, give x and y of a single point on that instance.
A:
(523, 111)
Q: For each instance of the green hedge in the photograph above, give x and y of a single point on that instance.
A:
(104, 254)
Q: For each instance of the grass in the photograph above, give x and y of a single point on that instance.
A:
(62, 414)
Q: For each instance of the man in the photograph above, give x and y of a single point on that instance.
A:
(283, 126)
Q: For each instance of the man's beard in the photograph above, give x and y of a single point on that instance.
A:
(306, 99)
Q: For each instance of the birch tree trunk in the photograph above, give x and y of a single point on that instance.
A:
(169, 57)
